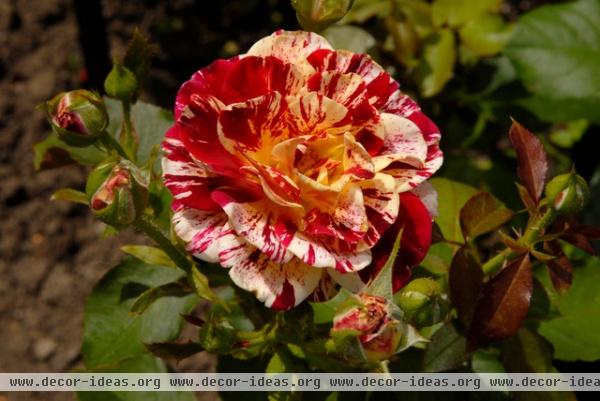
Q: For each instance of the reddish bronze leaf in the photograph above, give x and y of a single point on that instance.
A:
(579, 240)
(590, 232)
(527, 200)
(560, 268)
(532, 161)
(465, 280)
(481, 214)
(503, 305)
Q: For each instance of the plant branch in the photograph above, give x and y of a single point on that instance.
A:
(151, 230)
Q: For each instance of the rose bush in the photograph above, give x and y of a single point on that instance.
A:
(296, 166)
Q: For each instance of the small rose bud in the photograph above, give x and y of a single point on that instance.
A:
(316, 15)
(79, 117)
(568, 193)
(379, 332)
(118, 193)
(121, 83)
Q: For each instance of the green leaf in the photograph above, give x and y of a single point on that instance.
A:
(527, 352)
(481, 214)
(151, 124)
(111, 333)
(456, 13)
(202, 287)
(177, 351)
(363, 10)
(486, 362)
(148, 297)
(284, 362)
(382, 284)
(486, 35)
(348, 37)
(574, 334)
(437, 62)
(139, 364)
(323, 312)
(70, 195)
(556, 51)
(53, 152)
(568, 134)
(446, 351)
(452, 196)
(149, 254)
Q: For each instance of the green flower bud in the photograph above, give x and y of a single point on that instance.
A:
(379, 332)
(416, 294)
(118, 193)
(121, 83)
(79, 117)
(568, 193)
(316, 15)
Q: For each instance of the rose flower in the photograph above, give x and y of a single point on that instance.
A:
(296, 165)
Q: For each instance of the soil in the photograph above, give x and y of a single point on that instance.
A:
(50, 252)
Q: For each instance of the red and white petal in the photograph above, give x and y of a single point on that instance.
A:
(251, 129)
(402, 105)
(185, 178)
(428, 195)
(380, 86)
(382, 203)
(351, 281)
(350, 211)
(291, 47)
(254, 222)
(280, 286)
(408, 177)
(356, 160)
(317, 254)
(277, 186)
(314, 114)
(198, 131)
(346, 89)
(403, 142)
(200, 230)
(326, 289)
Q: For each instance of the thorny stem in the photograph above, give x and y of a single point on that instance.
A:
(109, 142)
(150, 229)
(128, 137)
(532, 233)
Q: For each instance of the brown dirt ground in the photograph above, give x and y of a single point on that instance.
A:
(50, 255)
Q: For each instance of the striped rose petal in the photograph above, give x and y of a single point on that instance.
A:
(295, 165)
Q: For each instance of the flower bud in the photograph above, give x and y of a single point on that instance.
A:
(316, 15)
(378, 331)
(567, 193)
(118, 193)
(79, 117)
(121, 83)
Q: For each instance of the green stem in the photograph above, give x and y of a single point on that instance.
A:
(537, 227)
(150, 229)
(532, 233)
(111, 143)
(128, 136)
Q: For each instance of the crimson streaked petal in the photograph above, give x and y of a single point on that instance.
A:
(254, 222)
(291, 47)
(403, 142)
(408, 177)
(280, 286)
(382, 202)
(314, 114)
(201, 231)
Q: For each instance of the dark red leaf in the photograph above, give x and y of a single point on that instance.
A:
(196, 321)
(580, 241)
(560, 269)
(503, 305)
(481, 214)
(532, 160)
(465, 280)
(173, 350)
(528, 202)
(590, 232)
